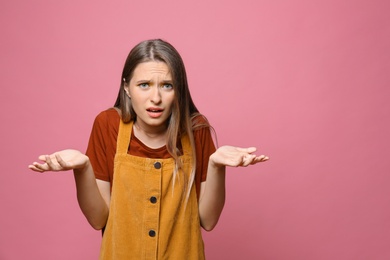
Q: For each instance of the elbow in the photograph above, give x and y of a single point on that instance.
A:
(209, 228)
(97, 220)
(209, 220)
(209, 225)
(97, 228)
(96, 225)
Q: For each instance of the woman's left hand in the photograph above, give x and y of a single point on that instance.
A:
(236, 156)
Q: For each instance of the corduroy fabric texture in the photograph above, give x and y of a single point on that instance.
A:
(148, 217)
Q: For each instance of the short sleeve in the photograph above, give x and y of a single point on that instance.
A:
(102, 144)
(205, 147)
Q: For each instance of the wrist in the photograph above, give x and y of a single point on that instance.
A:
(213, 162)
(83, 167)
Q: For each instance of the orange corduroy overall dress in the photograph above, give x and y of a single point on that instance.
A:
(147, 217)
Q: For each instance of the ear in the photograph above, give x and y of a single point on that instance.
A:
(126, 88)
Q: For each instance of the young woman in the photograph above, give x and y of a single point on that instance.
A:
(143, 177)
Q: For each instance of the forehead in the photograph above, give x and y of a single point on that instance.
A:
(152, 68)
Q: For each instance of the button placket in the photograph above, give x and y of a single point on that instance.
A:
(153, 199)
(157, 165)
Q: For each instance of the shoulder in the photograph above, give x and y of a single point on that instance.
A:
(106, 122)
(199, 121)
(108, 114)
(107, 117)
(202, 129)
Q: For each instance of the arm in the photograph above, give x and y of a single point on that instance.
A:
(93, 195)
(212, 193)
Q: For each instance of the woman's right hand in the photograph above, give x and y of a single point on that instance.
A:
(61, 161)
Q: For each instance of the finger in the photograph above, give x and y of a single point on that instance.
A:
(261, 158)
(246, 149)
(42, 157)
(61, 162)
(248, 160)
(40, 167)
(264, 158)
(51, 165)
(32, 167)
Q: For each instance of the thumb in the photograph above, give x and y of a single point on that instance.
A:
(247, 150)
(42, 158)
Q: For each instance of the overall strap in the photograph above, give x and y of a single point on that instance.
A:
(123, 140)
(186, 145)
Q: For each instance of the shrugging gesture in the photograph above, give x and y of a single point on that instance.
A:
(152, 112)
(212, 195)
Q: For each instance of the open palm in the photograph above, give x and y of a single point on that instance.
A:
(60, 161)
(236, 156)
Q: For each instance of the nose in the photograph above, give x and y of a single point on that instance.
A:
(155, 96)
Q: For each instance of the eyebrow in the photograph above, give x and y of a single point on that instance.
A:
(168, 81)
(142, 81)
(147, 81)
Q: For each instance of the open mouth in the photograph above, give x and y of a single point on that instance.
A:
(154, 110)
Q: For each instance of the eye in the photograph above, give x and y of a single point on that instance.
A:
(167, 86)
(143, 85)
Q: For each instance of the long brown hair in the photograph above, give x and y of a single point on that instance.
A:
(183, 110)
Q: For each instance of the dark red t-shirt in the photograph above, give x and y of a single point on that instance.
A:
(102, 147)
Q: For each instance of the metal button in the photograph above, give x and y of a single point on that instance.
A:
(152, 233)
(157, 165)
(153, 199)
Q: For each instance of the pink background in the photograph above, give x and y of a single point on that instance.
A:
(307, 82)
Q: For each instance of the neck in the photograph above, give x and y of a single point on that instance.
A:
(153, 137)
